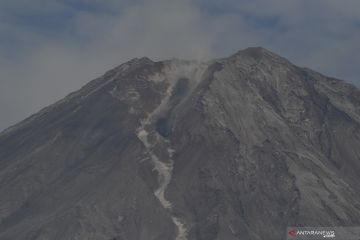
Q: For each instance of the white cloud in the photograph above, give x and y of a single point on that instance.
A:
(320, 34)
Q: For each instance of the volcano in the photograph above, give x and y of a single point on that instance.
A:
(233, 148)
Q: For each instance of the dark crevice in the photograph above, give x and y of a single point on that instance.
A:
(162, 127)
(180, 89)
(163, 124)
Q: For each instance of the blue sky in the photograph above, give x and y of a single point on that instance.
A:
(49, 48)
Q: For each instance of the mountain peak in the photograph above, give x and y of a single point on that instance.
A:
(135, 62)
(259, 53)
(255, 51)
(132, 64)
(140, 60)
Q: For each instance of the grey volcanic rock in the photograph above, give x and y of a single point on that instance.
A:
(234, 148)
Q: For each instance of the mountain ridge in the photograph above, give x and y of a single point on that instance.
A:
(258, 50)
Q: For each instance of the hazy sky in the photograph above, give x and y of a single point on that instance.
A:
(49, 48)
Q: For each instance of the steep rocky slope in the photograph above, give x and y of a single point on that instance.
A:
(233, 148)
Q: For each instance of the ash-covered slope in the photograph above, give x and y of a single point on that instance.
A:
(234, 148)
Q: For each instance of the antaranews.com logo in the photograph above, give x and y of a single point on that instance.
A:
(322, 233)
(316, 233)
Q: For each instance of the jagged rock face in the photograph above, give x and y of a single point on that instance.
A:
(234, 148)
